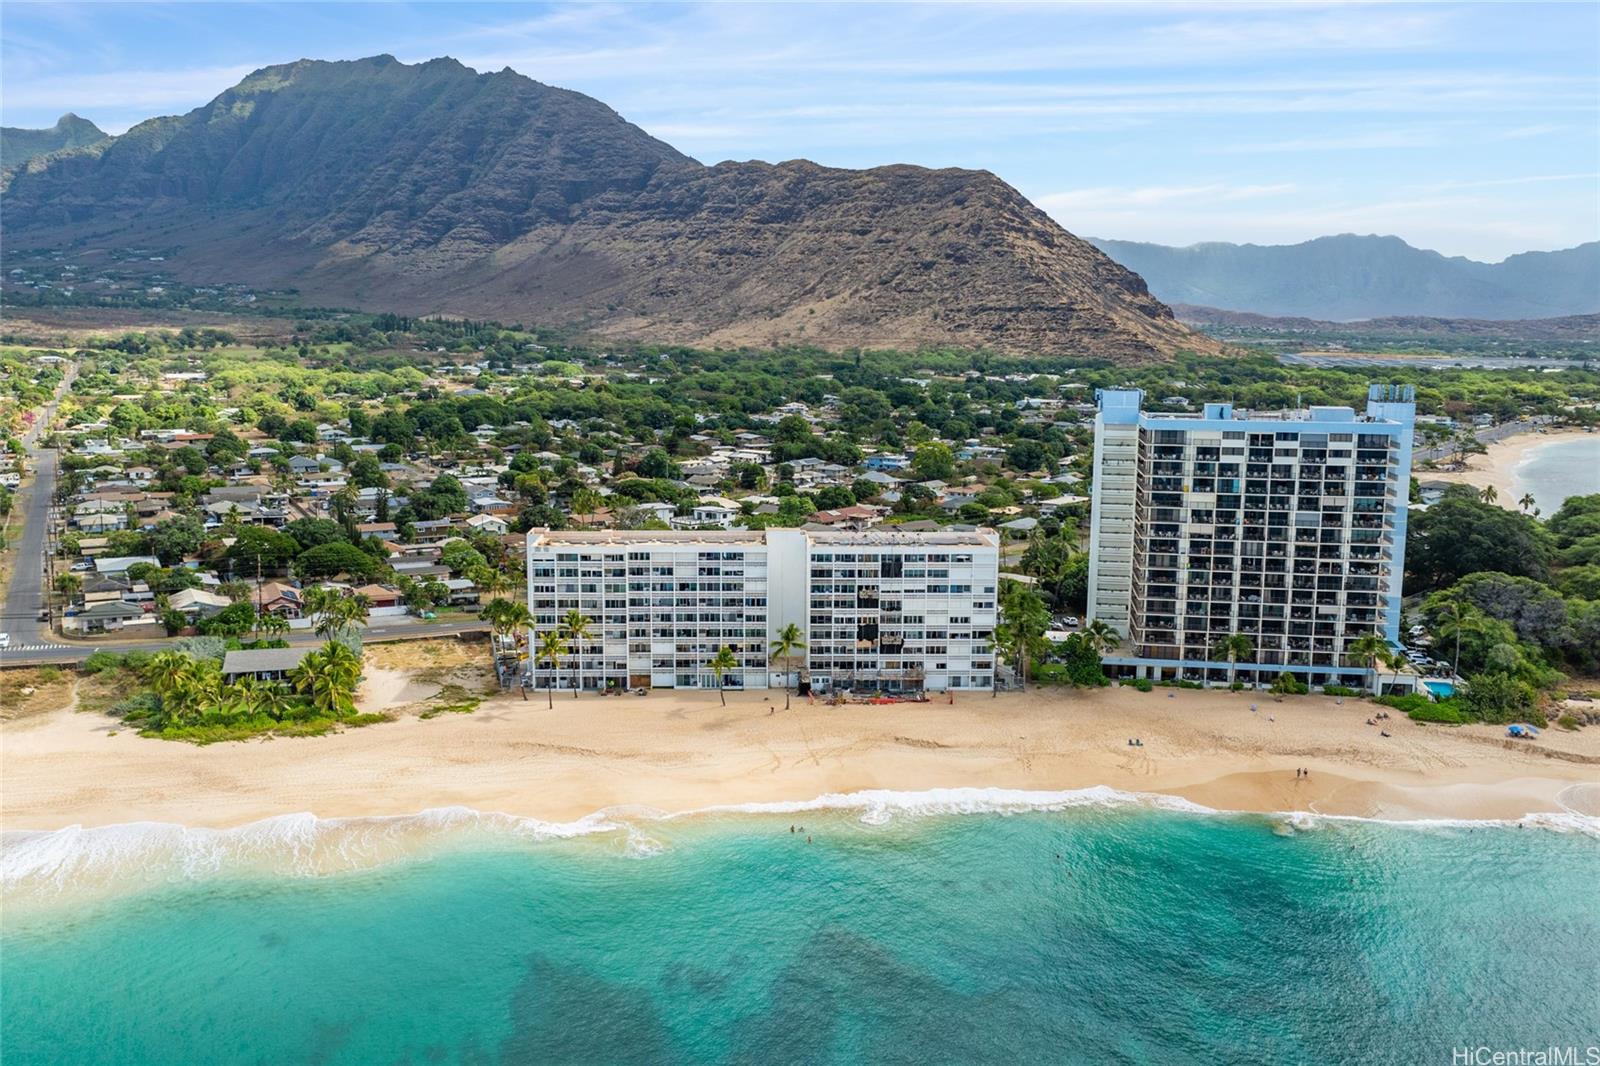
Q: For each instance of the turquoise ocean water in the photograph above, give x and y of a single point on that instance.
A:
(1101, 933)
(1558, 469)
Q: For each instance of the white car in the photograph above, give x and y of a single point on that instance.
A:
(5, 640)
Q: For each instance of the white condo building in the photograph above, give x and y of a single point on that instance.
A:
(1289, 528)
(878, 610)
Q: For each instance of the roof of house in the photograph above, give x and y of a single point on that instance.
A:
(197, 598)
(111, 609)
(257, 660)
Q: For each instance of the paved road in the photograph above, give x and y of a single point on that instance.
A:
(44, 650)
(19, 614)
(1486, 435)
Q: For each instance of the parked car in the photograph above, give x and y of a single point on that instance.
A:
(5, 640)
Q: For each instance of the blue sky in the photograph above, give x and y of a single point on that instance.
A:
(1470, 128)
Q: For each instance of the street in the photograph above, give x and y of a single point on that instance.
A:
(1485, 435)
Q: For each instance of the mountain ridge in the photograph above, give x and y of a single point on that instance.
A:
(1349, 277)
(18, 145)
(434, 188)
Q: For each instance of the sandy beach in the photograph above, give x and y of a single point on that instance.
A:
(1499, 464)
(684, 751)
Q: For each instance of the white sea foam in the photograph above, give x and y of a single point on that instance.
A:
(1552, 821)
(145, 854)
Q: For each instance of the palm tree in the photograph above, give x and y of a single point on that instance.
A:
(1102, 636)
(1394, 660)
(784, 646)
(552, 647)
(576, 628)
(1526, 501)
(328, 678)
(165, 670)
(719, 665)
(275, 700)
(242, 696)
(1368, 650)
(1233, 647)
(1453, 610)
(271, 624)
(1024, 620)
(196, 688)
(1489, 494)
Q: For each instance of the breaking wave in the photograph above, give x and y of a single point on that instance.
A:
(125, 857)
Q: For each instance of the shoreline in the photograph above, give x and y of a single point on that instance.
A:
(1498, 466)
(681, 752)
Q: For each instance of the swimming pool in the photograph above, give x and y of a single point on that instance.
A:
(1442, 690)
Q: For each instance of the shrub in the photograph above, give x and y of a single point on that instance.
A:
(1340, 690)
(101, 660)
(1143, 684)
(202, 648)
(1500, 698)
(1289, 685)
(1568, 722)
(1447, 712)
(137, 707)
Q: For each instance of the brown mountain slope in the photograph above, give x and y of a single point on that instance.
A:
(431, 188)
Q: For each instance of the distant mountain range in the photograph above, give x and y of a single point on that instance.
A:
(435, 189)
(1572, 328)
(17, 146)
(1349, 277)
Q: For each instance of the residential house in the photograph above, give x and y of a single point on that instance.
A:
(262, 664)
(463, 592)
(107, 617)
(118, 565)
(197, 603)
(488, 523)
(278, 598)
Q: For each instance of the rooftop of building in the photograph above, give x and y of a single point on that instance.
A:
(546, 538)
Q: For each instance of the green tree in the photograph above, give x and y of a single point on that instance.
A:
(1103, 637)
(933, 461)
(1368, 650)
(258, 549)
(1024, 619)
(1462, 535)
(784, 647)
(552, 649)
(340, 557)
(1233, 647)
(719, 665)
(327, 678)
(576, 628)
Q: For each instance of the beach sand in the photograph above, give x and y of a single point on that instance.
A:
(1498, 465)
(683, 751)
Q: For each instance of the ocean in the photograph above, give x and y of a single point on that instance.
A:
(1555, 470)
(954, 927)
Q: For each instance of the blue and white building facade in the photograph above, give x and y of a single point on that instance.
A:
(1287, 527)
